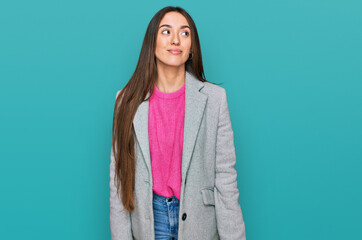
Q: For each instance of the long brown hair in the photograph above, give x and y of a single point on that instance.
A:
(134, 93)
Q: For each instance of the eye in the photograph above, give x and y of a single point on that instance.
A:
(187, 33)
(165, 31)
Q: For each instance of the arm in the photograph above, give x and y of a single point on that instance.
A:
(120, 221)
(230, 222)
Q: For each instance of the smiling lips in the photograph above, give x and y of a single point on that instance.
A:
(175, 51)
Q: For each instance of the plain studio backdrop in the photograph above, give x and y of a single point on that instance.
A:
(292, 73)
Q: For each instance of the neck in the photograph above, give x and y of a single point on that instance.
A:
(170, 78)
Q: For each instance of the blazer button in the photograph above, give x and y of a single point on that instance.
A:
(184, 216)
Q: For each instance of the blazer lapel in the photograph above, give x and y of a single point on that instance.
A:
(195, 102)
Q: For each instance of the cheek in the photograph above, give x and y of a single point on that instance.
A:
(160, 46)
(158, 51)
(188, 44)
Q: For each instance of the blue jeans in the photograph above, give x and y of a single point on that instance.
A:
(166, 212)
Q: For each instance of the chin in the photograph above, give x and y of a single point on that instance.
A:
(173, 63)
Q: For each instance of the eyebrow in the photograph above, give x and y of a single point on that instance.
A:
(167, 25)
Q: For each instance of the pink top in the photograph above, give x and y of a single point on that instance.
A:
(165, 130)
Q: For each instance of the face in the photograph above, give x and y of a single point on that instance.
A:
(173, 44)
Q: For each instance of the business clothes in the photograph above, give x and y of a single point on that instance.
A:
(209, 207)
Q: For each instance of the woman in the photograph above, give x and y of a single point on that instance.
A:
(172, 172)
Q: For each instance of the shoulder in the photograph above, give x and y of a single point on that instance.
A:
(118, 102)
(216, 97)
(118, 92)
(214, 91)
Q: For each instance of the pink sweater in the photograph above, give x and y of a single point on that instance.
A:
(165, 131)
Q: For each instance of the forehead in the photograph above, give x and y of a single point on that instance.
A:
(174, 19)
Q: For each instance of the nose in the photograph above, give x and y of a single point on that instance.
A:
(175, 39)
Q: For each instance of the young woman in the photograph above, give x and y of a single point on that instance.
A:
(172, 172)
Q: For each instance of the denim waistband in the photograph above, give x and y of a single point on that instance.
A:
(160, 198)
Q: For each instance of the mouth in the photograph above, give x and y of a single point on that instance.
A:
(175, 51)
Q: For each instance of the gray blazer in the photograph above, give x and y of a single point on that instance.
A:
(209, 194)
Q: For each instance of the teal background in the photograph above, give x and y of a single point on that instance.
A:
(292, 72)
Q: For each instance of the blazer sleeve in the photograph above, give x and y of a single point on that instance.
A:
(229, 218)
(120, 221)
